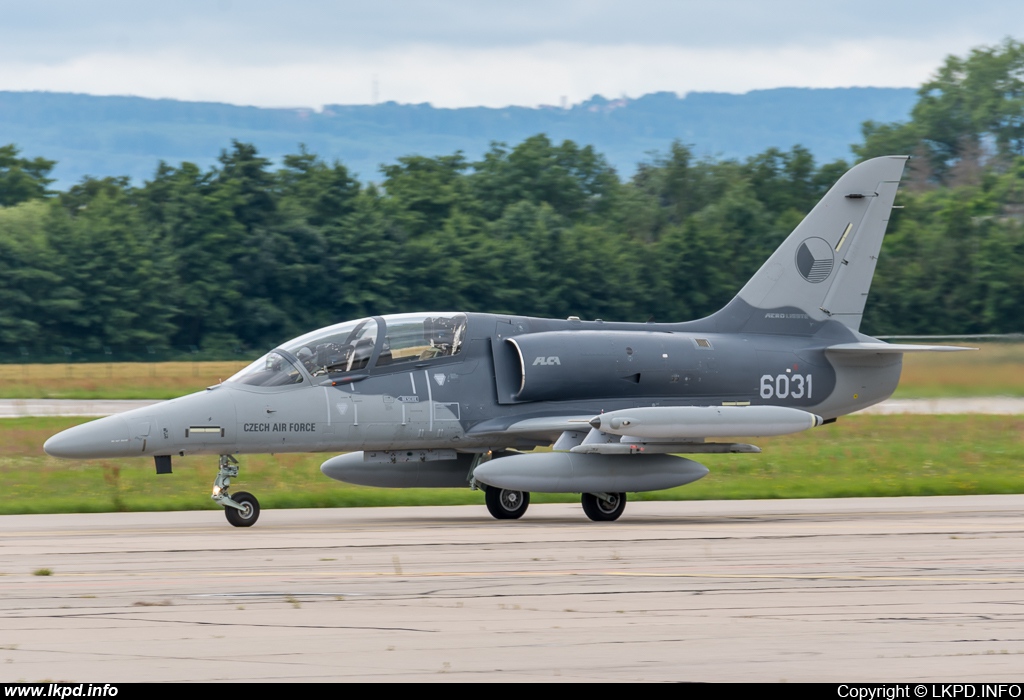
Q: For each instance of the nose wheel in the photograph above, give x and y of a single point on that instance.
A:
(247, 514)
(242, 509)
(505, 504)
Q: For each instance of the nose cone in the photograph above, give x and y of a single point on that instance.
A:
(106, 437)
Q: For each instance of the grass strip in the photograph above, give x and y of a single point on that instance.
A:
(858, 456)
(112, 380)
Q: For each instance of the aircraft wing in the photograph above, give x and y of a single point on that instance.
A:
(657, 429)
(889, 348)
(632, 449)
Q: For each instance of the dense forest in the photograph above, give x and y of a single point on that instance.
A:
(243, 255)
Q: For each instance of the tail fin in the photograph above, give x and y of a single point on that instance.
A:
(823, 270)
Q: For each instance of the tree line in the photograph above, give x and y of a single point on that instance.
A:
(246, 254)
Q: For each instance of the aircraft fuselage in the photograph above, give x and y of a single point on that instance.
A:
(507, 369)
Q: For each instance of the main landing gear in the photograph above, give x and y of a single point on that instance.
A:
(242, 509)
(505, 504)
(604, 506)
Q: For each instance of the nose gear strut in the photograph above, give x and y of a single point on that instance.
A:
(243, 509)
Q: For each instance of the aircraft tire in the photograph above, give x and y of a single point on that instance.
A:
(505, 504)
(600, 510)
(246, 517)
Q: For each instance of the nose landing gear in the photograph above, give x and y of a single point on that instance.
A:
(242, 509)
(247, 514)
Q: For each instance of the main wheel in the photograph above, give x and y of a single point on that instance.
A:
(505, 504)
(249, 514)
(604, 509)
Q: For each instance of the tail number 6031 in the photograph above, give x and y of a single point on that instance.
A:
(786, 386)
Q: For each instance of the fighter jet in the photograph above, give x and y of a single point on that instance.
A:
(450, 399)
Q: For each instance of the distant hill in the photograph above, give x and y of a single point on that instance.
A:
(103, 136)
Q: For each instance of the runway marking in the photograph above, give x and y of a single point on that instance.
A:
(121, 617)
(695, 525)
(270, 594)
(827, 577)
(553, 574)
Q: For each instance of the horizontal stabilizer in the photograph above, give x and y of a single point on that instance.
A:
(890, 348)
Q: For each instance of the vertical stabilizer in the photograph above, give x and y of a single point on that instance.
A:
(823, 270)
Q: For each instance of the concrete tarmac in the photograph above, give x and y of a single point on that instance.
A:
(866, 590)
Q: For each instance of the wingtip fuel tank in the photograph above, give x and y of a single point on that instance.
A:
(368, 469)
(565, 472)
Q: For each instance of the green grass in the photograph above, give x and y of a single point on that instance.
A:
(995, 369)
(112, 380)
(858, 456)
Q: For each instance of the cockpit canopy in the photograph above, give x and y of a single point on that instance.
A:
(339, 348)
(364, 344)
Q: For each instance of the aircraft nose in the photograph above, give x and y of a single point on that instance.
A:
(106, 437)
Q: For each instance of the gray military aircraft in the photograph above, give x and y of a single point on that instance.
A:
(456, 399)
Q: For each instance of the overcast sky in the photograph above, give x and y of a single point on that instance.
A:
(455, 53)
